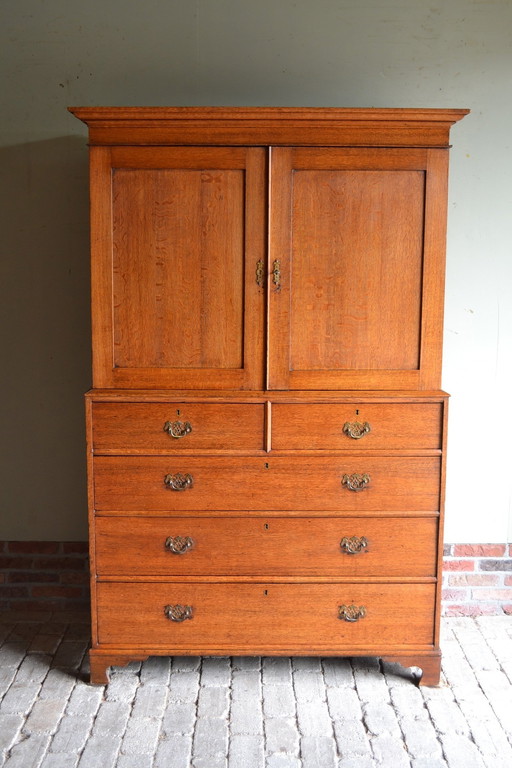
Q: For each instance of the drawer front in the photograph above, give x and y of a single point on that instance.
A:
(265, 615)
(177, 427)
(395, 484)
(363, 426)
(130, 546)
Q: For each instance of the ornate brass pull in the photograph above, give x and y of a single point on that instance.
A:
(178, 545)
(356, 482)
(351, 613)
(177, 429)
(178, 612)
(352, 545)
(260, 273)
(179, 482)
(356, 430)
(276, 274)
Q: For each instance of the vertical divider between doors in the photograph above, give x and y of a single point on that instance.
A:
(280, 180)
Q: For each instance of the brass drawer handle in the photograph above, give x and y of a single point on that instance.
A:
(178, 545)
(177, 429)
(179, 482)
(178, 612)
(352, 545)
(356, 482)
(356, 430)
(351, 613)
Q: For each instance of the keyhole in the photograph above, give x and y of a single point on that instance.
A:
(178, 412)
(266, 526)
(357, 411)
(266, 465)
(265, 591)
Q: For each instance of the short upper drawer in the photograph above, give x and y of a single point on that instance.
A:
(264, 616)
(333, 484)
(177, 427)
(349, 546)
(363, 426)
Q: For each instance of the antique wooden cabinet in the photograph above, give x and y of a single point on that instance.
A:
(266, 433)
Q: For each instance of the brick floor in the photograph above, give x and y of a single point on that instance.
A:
(188, 712)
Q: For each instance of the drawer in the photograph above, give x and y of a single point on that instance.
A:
(131, 546)
(177, 427)
(265, 616)
(391, 484)
(363, 426)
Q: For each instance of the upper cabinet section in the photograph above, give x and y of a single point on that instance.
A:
(282, 248)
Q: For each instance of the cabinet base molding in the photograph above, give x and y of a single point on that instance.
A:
(424, 666)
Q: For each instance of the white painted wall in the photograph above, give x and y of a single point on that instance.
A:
(410, 53)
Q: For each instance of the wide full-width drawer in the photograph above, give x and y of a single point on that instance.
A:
(350, 483)
(183, 427)
(350, 546)
(264, 616)
(389, 426)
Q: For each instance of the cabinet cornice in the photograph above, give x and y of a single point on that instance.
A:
(313, 126)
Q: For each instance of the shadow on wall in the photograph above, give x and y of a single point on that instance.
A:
(44, 339)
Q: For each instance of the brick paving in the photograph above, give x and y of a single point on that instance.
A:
(188, 712)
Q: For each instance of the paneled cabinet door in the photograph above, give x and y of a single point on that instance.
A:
(178, 234)
(356, 268)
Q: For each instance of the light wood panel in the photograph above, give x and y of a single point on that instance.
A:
(178, 268)
(356, 256)
(185, 233)
(128, 546)
(140, 427)
(265, 615)
(396, 426)
(136, 484)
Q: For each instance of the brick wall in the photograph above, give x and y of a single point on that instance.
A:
(50, 575)
(477, 578)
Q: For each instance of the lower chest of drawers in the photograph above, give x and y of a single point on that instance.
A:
(306, 547)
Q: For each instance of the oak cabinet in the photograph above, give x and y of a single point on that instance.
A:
(266, 432)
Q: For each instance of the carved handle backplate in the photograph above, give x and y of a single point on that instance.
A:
(351, 613)
(178, 612)
(356, 482)
(179, 482)
(178, 545)
(352, 545)
(177, 429)
(356, 430)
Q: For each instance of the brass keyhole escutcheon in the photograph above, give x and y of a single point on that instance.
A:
(276, 274)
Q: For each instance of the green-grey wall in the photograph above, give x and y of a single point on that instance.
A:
(55, 53)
